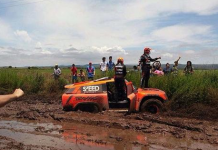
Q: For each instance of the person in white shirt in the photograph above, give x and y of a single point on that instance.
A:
(103, 67)
(57, 72)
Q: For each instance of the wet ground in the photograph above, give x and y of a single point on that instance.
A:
(40, 123)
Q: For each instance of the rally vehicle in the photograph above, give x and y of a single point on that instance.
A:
(100, 95)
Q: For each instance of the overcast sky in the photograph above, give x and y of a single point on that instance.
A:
(46, 32)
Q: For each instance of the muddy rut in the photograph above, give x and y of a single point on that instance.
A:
(38, 122)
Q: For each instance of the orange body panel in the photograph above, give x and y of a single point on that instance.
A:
(95, 92)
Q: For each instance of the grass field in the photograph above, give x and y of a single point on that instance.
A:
(188, 93)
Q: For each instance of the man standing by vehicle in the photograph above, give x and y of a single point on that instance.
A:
(144, 62)
(90, 71)
(110, 64)
(103, 67)
(74, 73)
(57, 72)
(120, 73)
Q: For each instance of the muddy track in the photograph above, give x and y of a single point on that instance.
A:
(46, 109)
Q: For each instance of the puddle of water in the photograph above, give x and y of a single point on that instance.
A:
(87, 137)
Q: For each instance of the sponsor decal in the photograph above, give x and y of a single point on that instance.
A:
(152, 95)
(92, 89)
(94, 98)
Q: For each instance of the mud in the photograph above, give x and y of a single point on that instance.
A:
(40, 123)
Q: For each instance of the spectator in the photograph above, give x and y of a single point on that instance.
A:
(175, 69)
(110, 64)
(5, 99)
(57, 72)
(188, 69)
(157, 71)
(90, 71)
(167, 70)
(81, 75)
(135, 68)
(103, 67)
(74, 73)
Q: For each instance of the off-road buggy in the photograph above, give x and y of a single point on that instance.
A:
(100, 95)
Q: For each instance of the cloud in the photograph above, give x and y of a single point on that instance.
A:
(45, 52)
(5, 31)
(181, 33)
(88, 30)
(157, 8)
(23, 35)
(38, 45)
(106, 50)
(167, 55)
(189, 52)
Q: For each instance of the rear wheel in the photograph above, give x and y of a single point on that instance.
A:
(153, 106)
(89, 108)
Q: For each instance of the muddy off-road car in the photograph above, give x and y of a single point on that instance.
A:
(100, 95)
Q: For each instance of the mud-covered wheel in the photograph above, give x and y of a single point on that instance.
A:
(153, 106)
(67, 108)
(95, 109)
(88, 108)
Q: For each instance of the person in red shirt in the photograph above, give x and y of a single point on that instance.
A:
(74, 73)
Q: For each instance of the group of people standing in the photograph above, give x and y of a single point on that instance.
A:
(147, 69)
(157, 70)
(120, 70)
(90, 70)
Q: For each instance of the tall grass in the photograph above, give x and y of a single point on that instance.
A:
(182, 91)
(31, 81)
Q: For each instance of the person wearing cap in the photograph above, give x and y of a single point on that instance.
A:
(110, 64)
(5, 99)
(103, 67)
(119, 79)
(144, 62)
(74, 73)
(57, 72)
(90, 71)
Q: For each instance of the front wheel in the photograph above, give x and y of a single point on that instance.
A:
(153, 106)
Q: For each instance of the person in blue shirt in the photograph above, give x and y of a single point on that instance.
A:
(90, 71)
(168, 69)
(110, 64)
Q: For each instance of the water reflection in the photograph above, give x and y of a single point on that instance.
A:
(105, 138)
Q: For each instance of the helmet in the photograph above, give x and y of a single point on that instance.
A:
(120, 59)
(146, 49)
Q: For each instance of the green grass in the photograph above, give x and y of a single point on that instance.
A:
(183, 91)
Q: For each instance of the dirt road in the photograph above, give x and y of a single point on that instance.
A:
(36, 122)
